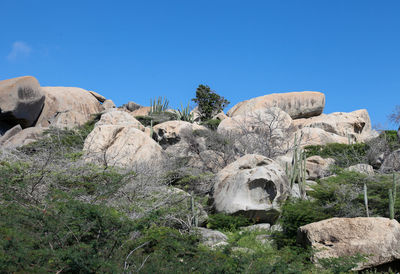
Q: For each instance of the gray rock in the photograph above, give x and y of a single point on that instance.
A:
(211, 238)
(362, 168)
(391, 162)
(132, 106)
(108, 104)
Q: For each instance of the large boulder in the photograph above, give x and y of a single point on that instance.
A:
(21, 101)
(391, 162)
(355, 126)
(251, 186)
(377, 238)
(67, 107)
(23, 137)
(122, 146)
(10, 133)
(296, 104)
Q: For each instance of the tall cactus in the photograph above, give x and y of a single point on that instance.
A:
(391, 204)
(194, 212)
(366, 199)
(298, 168)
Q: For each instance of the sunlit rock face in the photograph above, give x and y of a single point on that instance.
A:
(297, 104)
(251, 186)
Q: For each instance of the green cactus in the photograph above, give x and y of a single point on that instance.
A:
(391, 205)
(194, 212)
(158, 105)
(151, 129)
(366, 199)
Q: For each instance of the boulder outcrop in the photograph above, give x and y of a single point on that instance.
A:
(121, 145)
(23, 137)
(67, 107)
(296, 104)
(355, 126)
(251, 186)
(376, 238)
(21, 101)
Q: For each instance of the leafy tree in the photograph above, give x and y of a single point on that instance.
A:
(209, 102)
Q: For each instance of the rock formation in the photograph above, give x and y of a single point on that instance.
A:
(376, 238)
(122, 146)
(21, 101)
(296, 104)
(67, 107)
(251, 186)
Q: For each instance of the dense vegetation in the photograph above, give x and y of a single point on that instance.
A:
(60, 214)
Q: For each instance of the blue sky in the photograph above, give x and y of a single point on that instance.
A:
(138, 50)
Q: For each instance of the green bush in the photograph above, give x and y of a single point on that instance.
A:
(344, 155)
(156, 118)
(225, 222)
(211, 123)
(342, 195)
(296, 213)
(209, 102)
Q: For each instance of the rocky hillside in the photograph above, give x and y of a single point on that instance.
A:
(90, 187)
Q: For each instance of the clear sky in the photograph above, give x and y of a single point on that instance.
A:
(138, 50)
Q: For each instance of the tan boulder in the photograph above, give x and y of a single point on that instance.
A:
(296, 104)
(143, 111)
(252, 186)
(376, 238)
(21, 101)
(67, 107)
(10, 133)
(120, 118)
(356, 125)
(24, 137)
(121, 145)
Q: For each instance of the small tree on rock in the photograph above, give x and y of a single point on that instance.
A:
(209, 102)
